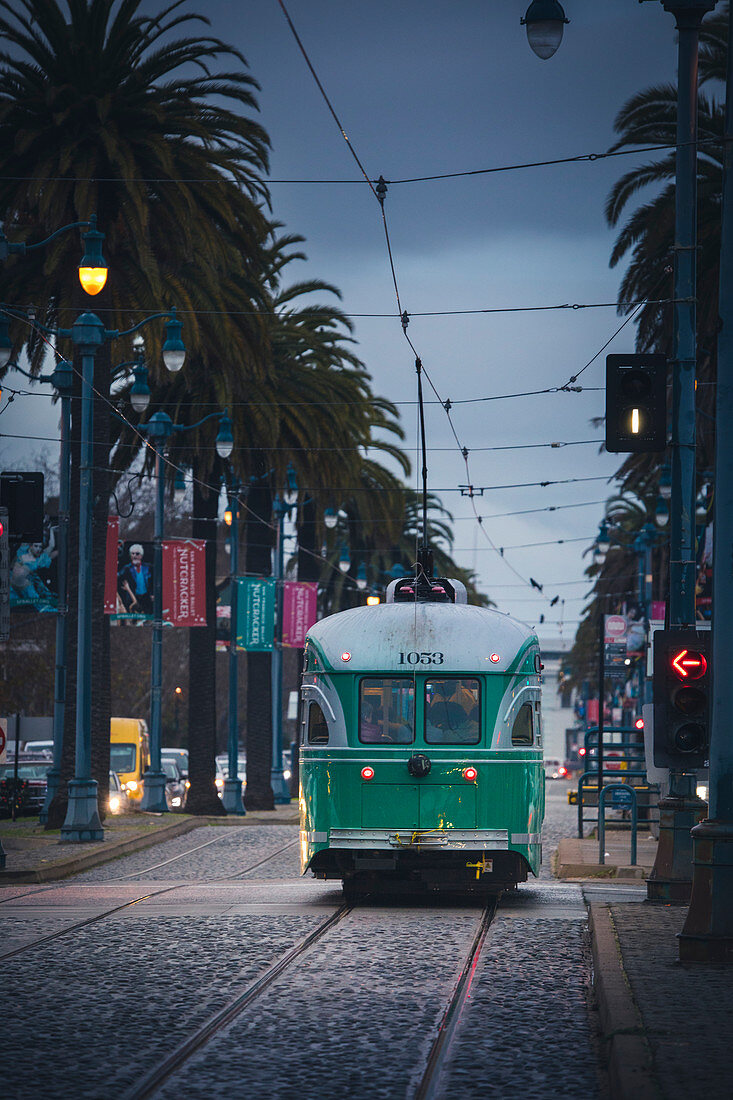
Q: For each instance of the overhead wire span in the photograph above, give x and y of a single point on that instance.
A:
(380, 192)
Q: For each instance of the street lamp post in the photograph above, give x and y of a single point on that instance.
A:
(280, 788)
(82, 821)
(707, 935)
(232, 794)
(159, 429)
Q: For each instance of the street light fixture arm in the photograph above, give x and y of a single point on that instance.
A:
(21, 247)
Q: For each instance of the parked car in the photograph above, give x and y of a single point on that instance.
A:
(30, 793)
(175, 787)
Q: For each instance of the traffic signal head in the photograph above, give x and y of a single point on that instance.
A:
(681, 698)
(636, 403)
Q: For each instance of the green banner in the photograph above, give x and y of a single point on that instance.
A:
(255, 613)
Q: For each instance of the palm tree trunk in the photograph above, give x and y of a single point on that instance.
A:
(202, 795)
(258, 793)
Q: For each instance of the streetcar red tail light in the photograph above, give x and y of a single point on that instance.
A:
(470, 774)
(494, 657)
(562, 773)
(346, 656)
(367, 773)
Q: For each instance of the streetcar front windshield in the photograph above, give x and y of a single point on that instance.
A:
(452, 711)
(387, 711)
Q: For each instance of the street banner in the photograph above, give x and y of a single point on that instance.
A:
(34, 572)
(135, 582)
(184, 582)
(110, 565)
(255, 613)
(299, 612)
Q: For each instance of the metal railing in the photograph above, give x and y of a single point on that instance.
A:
(628, 764)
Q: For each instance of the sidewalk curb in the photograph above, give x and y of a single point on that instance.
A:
(111, 850)
(65, 867)
(630, 1068)
(570, 865)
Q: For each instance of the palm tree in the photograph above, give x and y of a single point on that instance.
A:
(647, 237)
(105, 110)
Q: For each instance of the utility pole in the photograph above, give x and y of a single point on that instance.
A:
(707, 935)
(671, 877)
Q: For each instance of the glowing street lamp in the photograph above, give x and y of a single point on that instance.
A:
(93, 266)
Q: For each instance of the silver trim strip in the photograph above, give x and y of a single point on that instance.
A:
(317, 838)
(453, 839)
(526, 838)
(524, 691)
(306, 688)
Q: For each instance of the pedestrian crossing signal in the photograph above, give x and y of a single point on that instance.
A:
(636, 403)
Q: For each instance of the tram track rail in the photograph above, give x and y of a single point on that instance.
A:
(157, 1077)
(78, 925)
(427, 1089)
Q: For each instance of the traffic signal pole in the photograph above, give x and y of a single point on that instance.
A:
(671, 877)
(707, 935)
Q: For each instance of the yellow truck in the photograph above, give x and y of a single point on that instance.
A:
(129, 754)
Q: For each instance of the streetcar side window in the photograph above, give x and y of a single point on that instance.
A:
(317, 726)
(452, 711)
(387, 711)
(523, 728)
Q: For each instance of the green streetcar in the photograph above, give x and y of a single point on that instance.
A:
(421, 745)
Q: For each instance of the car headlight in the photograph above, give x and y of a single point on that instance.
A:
(286, 774)
(219, 782)
(188, 783)
(114, 803)
(131, 785)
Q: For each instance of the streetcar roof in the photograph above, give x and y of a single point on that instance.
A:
(466, 636)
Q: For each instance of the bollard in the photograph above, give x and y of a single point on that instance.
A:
(629, 796)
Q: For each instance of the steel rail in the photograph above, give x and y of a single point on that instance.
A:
(152, 1081)
(133, 901)
(427, 1089)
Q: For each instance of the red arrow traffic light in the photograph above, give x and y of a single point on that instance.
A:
(689, 664)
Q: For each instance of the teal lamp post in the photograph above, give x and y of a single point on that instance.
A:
(159, 429)
(232, 793)
(82, 821)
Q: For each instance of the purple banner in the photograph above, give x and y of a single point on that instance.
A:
(299, 612)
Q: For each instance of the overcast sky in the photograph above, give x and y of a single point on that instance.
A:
(424, 87)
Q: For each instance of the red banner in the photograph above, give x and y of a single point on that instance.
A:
(184, 582)
(110, 565)
(299, 612)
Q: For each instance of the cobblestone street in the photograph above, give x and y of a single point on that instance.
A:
(177, 931)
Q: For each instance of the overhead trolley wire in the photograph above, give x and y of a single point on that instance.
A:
(380, 192)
